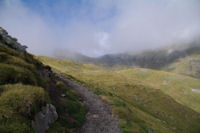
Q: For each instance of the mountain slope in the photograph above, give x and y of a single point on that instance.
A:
(189, 65)
(75, 56)
(177, 86)
(141, 104)
(155, 59)
(30, 93)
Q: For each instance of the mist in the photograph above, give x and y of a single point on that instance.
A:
(98, 27)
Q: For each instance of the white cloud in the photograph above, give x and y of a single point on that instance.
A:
(106, 26)
(102, 40)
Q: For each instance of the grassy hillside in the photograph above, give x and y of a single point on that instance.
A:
(21, 92)
(24, 89)
(17, 102)
(189, 65)
(143, 99)
(179, 87)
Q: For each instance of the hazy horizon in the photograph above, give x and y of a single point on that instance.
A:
(98, 27)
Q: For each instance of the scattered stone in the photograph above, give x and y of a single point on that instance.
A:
(158, 120)
(1, 44)
(174, 128)
(136, 98)
(195, 90)
(44, 118)
(76, 66)
(142, 88)
(95, 116)
(63, 95)
(144, 70)
(150, 130)
(164, 82)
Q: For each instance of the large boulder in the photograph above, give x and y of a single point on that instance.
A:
(44, 118)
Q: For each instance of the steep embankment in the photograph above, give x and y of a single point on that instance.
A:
(144, 100)
(32, 99)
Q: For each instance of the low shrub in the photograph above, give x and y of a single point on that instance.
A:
(61, 86)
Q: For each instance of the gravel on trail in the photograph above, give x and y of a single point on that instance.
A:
(99, 117)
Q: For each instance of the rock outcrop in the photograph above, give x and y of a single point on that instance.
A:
(7, 40)
(44, 118)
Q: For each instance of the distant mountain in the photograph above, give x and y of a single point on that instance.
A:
(155, 59)
(189, 65)
(74, 56)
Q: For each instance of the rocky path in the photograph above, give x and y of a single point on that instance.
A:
(99, 117)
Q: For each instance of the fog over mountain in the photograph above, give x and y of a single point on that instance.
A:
(98, 27)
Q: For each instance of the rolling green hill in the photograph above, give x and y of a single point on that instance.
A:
(189, 65)
(145, 100)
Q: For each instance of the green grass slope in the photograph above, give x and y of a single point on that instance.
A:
(24, 90)
(179, 87)
(143, 99)
(21, 92)
(189, 65)
(17, 103)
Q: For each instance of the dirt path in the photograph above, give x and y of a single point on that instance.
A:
(99, 117)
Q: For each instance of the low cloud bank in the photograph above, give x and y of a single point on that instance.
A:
(94, 27)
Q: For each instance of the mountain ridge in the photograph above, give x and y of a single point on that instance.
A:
(155, 59)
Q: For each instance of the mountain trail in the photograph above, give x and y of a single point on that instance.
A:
(99, 117)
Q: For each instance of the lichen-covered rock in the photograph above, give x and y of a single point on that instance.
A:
(6, 40)
(44, 118)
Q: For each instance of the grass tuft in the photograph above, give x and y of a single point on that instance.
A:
(17, 103)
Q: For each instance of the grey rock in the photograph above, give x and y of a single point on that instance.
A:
(150, 130)
(44, 118)
(7, 40)
(1, 44)
(63, 95)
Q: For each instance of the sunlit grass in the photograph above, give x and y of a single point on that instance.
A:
(186, 66)
(177, 86)
(21, 95)
(142, 98)
(17, 103)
